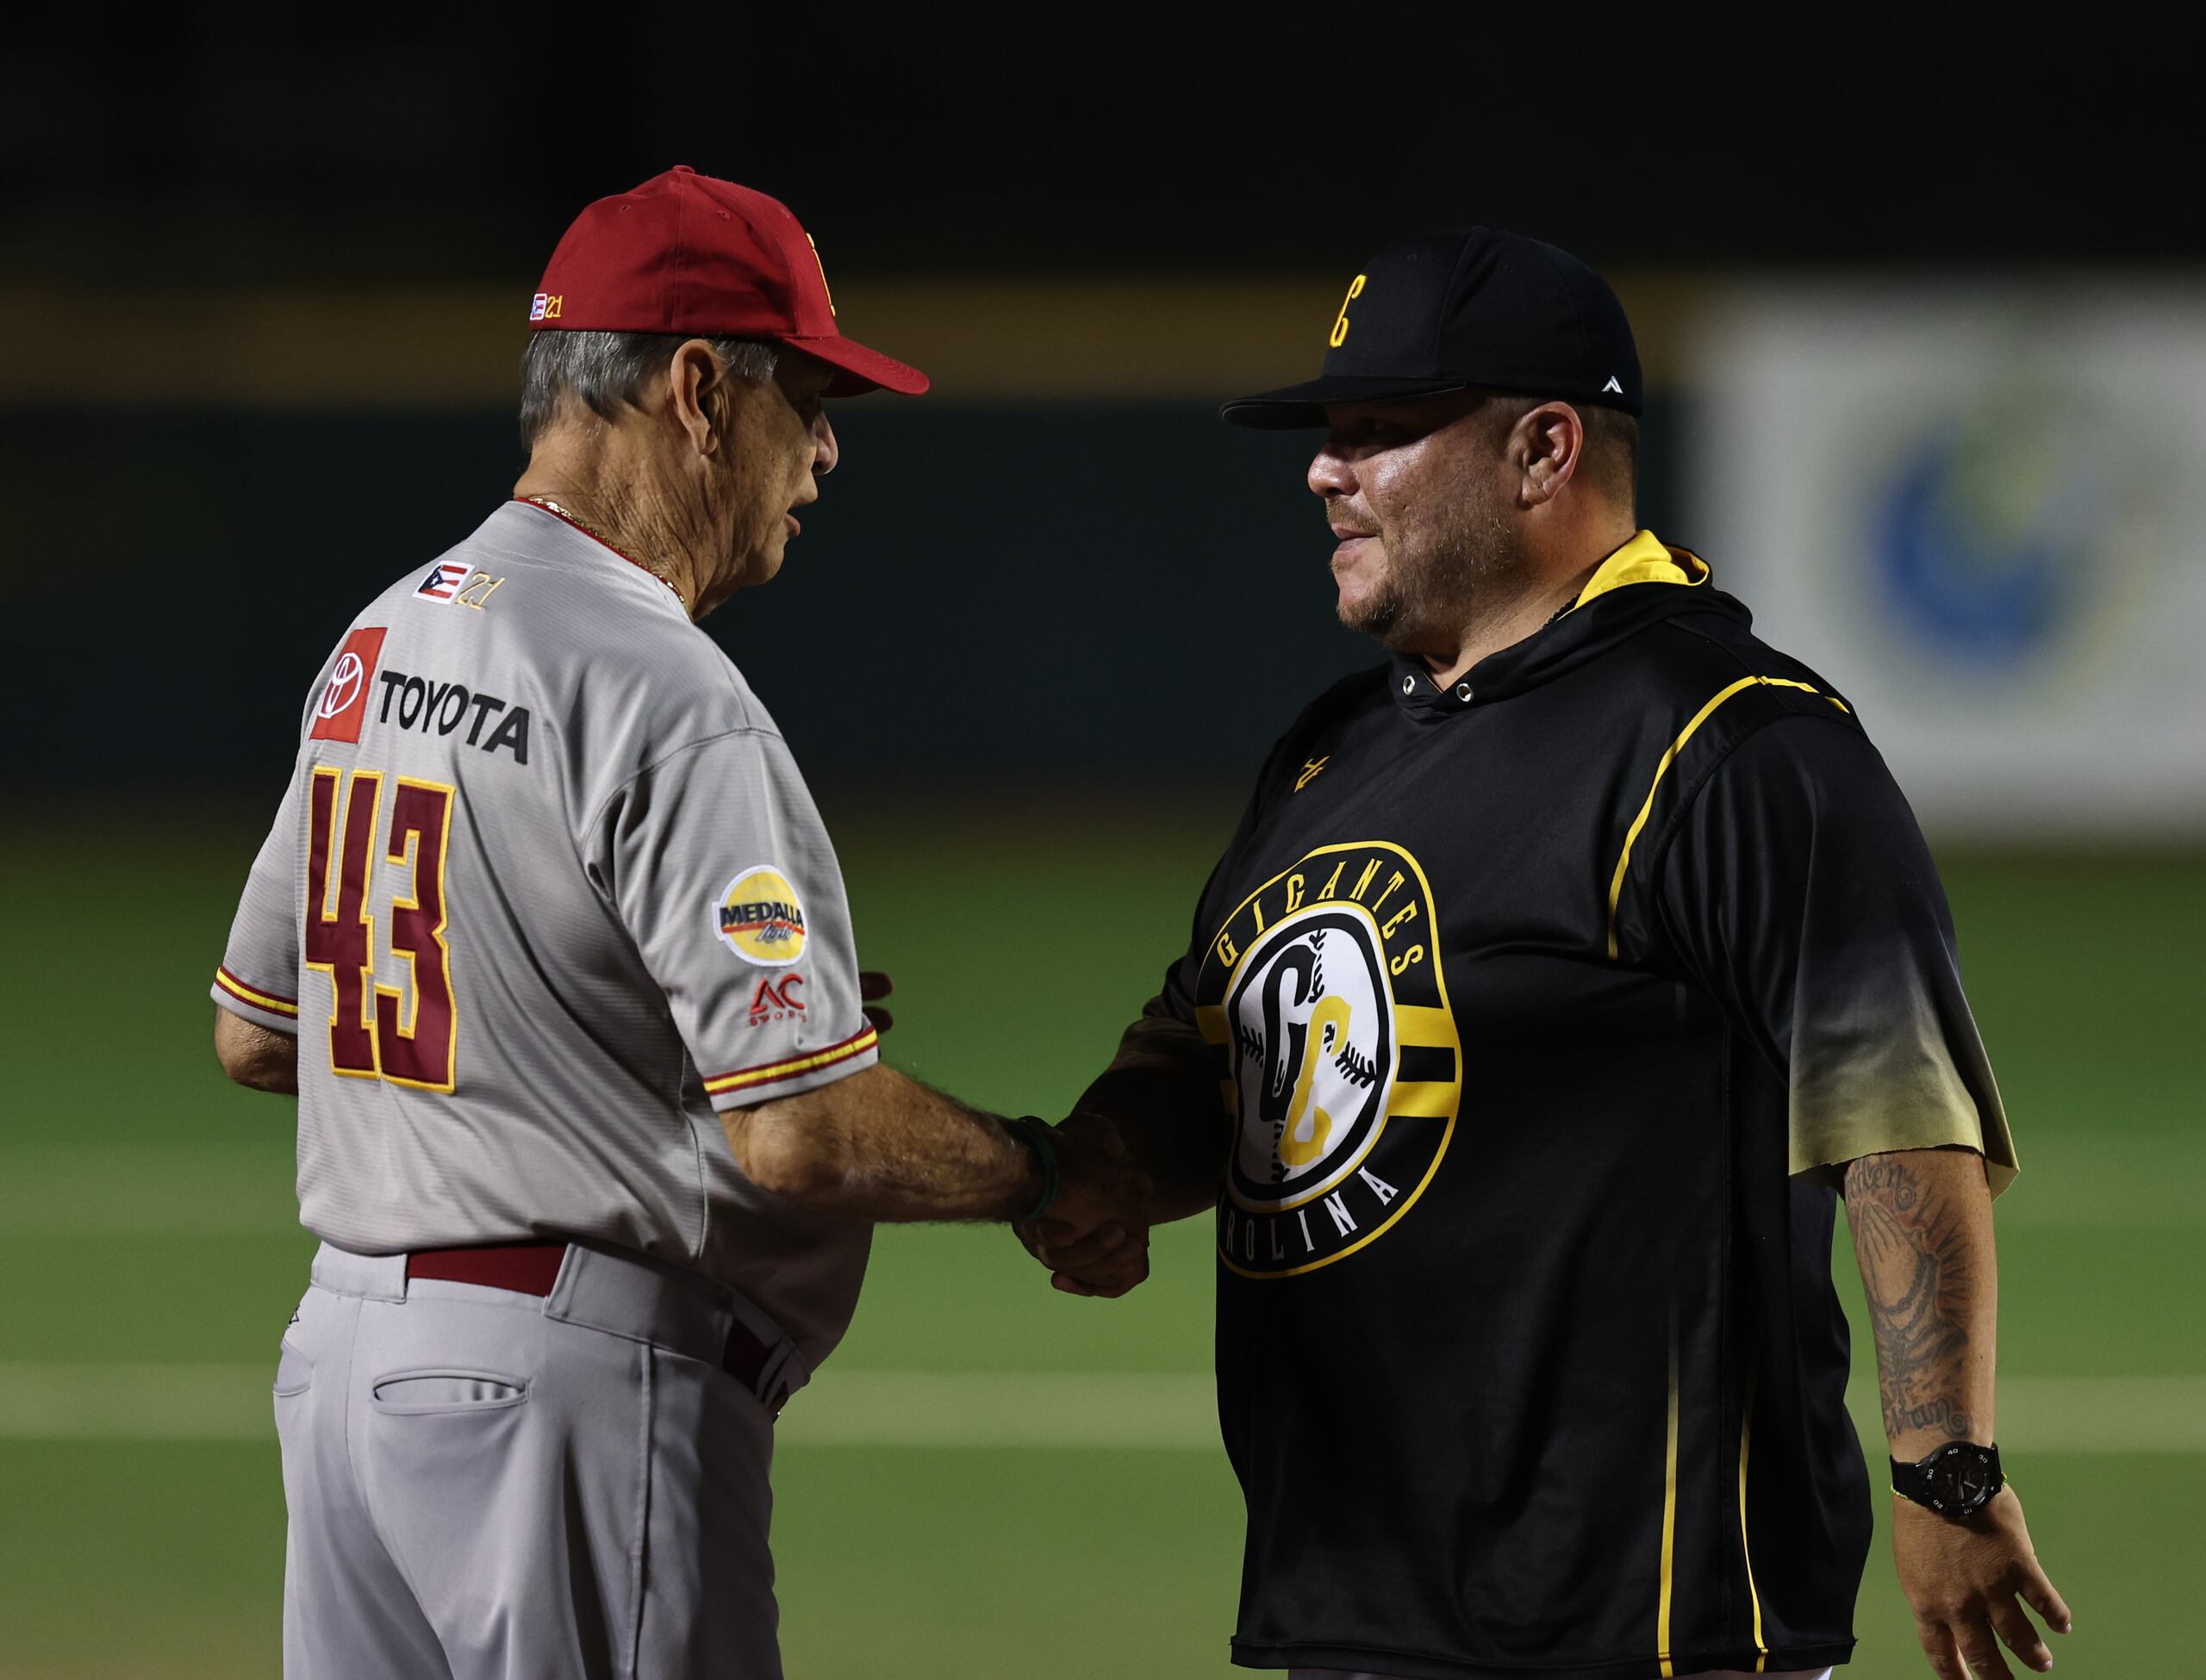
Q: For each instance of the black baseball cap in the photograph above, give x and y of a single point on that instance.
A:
(1471, 307)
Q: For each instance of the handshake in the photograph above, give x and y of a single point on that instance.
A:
(1144, 1145)
(1094, 1233)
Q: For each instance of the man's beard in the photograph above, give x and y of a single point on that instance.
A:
(1440, 572)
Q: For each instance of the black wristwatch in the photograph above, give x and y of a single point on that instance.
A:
(1956, 1481)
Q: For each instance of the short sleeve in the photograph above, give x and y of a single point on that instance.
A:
(719, 866)
(259, 979)
(1796, 887)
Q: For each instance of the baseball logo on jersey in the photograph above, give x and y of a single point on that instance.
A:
(1323, 990)
(758, 917)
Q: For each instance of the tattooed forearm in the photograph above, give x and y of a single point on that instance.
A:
(1915, 1273)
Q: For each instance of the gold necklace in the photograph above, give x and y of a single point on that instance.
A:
(588, 529)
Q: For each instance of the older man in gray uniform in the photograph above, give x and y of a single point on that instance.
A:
(550, 942)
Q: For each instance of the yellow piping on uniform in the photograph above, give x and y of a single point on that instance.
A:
(1746, 1434)
(237, 988)
(721, 1084)
(1632, 835)
(1669, 1516)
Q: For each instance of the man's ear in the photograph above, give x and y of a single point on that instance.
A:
(697, 392)
(1547, 445)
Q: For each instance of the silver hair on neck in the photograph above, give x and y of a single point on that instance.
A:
(607, 371)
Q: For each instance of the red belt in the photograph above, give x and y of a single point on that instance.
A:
(531, 1268)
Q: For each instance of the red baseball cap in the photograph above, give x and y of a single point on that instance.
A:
(690, 254)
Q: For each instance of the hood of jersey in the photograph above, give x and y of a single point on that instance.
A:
(1632, 590)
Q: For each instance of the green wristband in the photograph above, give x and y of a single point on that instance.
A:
(1042, 1143)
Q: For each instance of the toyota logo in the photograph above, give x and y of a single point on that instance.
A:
(344, 684)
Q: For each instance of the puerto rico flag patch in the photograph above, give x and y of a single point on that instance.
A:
(442, 584)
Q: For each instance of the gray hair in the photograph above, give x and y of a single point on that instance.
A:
(606, 372)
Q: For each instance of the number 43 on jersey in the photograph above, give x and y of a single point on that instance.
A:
(403, 1034)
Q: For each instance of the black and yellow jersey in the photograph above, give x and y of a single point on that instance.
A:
(1545, 1005)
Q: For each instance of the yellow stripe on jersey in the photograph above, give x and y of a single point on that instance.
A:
(1746, 1555)
(1631, 836)
(745, 1079)
(1669, 1517)
(238, 989)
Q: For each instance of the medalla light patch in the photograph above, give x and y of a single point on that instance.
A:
(758, 917)
(1342, 1069)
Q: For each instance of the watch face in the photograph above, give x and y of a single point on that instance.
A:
(1964, 1478)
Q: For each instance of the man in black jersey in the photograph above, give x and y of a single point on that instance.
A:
(1563, 973)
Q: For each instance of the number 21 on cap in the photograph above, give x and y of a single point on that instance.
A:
(1340, 321)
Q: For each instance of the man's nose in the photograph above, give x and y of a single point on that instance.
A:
(1331, 473)
(827, 451)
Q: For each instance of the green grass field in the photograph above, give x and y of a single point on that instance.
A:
(990, 1480)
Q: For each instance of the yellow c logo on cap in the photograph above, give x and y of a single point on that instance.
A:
(1340, 321)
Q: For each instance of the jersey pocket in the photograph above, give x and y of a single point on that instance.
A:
(294, 1371)
(407, 1392)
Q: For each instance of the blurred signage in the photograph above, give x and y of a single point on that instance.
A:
(1981, 513)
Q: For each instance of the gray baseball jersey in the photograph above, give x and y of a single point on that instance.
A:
(546, 889)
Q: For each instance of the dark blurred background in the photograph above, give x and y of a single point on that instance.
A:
(1924, 326)
(262, 297)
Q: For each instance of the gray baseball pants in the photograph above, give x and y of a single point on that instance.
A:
(487, 1484)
